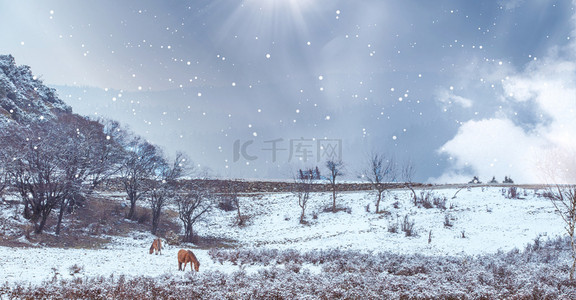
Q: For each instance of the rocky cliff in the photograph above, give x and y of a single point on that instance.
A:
(23, 97)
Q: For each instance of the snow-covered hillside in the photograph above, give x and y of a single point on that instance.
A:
(483, 221)
(23, 96)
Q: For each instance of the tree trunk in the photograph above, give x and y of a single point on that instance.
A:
(40, 227)
(573, 268)
(240, 221)
(414, 197)
(191, 233)
(155, 220)
(63, 207)
(27, 212)
(132, 211)
(132, 196)
(378, 201)
(333, 198)
(188, 232)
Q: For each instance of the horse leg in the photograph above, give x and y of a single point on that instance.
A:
(179, 266)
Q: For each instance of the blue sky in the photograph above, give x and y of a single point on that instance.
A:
(461, 88)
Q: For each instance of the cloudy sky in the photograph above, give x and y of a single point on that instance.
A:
(259, 88)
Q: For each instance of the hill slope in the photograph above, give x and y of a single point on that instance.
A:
(23, 97)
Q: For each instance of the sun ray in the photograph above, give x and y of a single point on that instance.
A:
(268, 19)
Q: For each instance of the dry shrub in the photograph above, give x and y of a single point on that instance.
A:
(172, 238)
(448, 220)
(408, 226)
(75, 269)
(512, 193)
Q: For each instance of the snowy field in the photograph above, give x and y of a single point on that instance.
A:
(484, 216)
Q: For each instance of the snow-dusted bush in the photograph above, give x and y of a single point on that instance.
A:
(448, 220)
(75, 269)
(429, 199)
(393, 226)
(408, 226)
(172, 238)
(512, 193)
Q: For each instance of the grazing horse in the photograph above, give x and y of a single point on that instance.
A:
(186, 256)
(156, 246)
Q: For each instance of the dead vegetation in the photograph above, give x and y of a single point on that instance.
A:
(88, 226)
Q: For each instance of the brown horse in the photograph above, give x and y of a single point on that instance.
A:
(186, 256)
(156, 246)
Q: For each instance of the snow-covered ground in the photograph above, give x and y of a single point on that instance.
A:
(488, 220)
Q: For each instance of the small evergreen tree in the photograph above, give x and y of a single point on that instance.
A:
(475, 180)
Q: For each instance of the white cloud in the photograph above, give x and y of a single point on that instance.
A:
(448, 98)
(511, 4)
(491, 147)
(499, 146)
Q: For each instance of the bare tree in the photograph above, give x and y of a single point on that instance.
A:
(231, 201)
(236, 201)
(302, 188)
(55, 163)
(137, 168)
(407, 175)
(564, 200)
(165, 186)
(558, 167)
(106, 152)
(75, 169)
(90, 156)
(335, 168)
(192, 205)
(161, 187)
(381, 171)
(37, 169)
